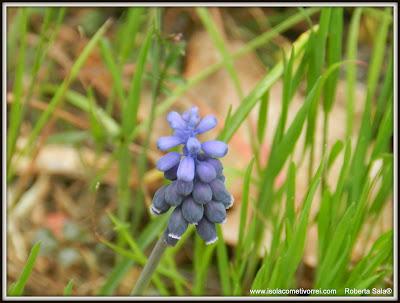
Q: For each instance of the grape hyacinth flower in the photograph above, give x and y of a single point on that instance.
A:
(197, 191)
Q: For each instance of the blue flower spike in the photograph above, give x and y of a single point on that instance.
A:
(197, 191)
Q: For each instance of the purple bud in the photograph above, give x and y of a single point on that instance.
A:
(159, 205)
(215, 212)
(227, 201)
(207, 123)
(219, 191)
(170, 241)
(206, 230)
(186, 169)
(191, 116)
(175, 120)
(168, 161)
(193, 145)
(216, 164)
(192, 211)
(170, 174)
(215, 149)
(184, 188)
(177, 224)
(172, 197)
(165, 143)
(205, 171)
(201, 192)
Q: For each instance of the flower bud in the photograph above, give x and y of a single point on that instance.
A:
(215, 212)
(168, 161)
(184, 188)
(205, 171)
(177, 224)
(170, 174)
(159, 205)
(192, 211)
(186, 169)
(218, 190)
(201, 192)
(172, 197)
(207, 231)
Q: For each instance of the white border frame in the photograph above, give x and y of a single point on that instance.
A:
(394, 5)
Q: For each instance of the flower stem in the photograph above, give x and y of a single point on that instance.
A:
(150, 267)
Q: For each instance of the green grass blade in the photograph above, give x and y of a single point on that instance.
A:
(17, 104)
(262, 117)
(334, 247)
(201, 264)
(385, 132)
(351, 71)
(244, 209)
(68, 288)
(19, 285)
(291, 193)
(130, 29)
(317, 52)
(131, 106)
(223, 264)
(334, 55)
(358, 162)
(385, 94)
(111, 63)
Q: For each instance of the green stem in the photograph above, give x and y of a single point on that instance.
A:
(150, 267)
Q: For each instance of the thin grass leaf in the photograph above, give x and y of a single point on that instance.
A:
(16, 111)
(96, 128)
(385, 94)
(290, 194)
(365, 268)
(111, 63)
(358, 161)
(18, 288)
(324, 222)
(335, 151)
(286, 96)
(202, 259)
(223, 264)
(385, 190)
(351, 75)
(244, 209)
(385, 132)
(334, 55)
(317, 52)
(82, 102)
(262, 117)
(334, 247)
(131, 106)
(129, 29)
(294, 252)
(68, 288)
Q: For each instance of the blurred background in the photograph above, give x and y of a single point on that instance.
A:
(85, 106)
